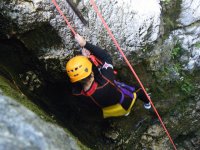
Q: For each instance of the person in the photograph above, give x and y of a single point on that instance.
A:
(97, 81)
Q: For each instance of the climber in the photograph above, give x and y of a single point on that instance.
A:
(98, 82)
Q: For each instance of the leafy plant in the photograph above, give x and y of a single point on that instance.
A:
(177, 67)
(166, 1)
(197, 45)
(186, 86)
(176, 51)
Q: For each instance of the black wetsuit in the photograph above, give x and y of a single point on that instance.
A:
(103, 91)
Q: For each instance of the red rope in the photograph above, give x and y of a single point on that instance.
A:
(131, 68)
(117, 45)
(66, 20)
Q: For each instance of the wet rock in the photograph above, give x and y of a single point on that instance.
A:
(198, 106)
(154, 138)
(183, 43)
(190, 12)
(111, 134)
(31, 80)
(22, 129)
(189, 40)
(135, 24)
(26, 13)
(196, 142)
(138, 25)
(155, 131)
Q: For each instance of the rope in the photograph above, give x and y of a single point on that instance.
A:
(126, 60)
(62, 14)
(131, 68)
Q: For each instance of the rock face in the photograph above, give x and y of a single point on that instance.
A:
(190, 12)
(160, 36)
(139, 24)
(188, 36)
(134, 23)
(190, 43)
(181, 119)
(22, 129)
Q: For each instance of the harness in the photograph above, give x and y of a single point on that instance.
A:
(125, 90)
(95, 61)
(120, 50)
(98, 62)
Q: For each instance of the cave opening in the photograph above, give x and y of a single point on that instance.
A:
(51, 91)
(82, 119)
(53, 97)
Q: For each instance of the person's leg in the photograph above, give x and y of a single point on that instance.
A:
(128, 90)
(140, 94)
(123, 85)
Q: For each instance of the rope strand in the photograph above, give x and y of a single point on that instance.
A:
(126, 60)
(131, 68)
(62, 14)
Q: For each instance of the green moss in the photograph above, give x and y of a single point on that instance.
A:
(11, 90)
(197, 45)
(170, 12)
(166, 1)
(176, 51)
(172, 71)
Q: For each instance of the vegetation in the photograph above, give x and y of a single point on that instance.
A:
(166, 1)
(173, 72)
(197, 45)
(171, 11)
(186, 86)
(176, 51)
(11, 90)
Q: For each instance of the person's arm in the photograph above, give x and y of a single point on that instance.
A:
(95, 50)
(102, 55)
(99, 53)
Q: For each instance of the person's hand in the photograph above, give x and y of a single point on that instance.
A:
(80, 40)
(85, 52)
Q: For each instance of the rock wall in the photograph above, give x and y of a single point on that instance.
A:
(138, 26)
(160, 37)
(22, 129)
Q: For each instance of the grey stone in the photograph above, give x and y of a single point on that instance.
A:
(111, 134)
(138, 27)
(189, 40)
(135, 23)
(22, 129)
(190, 12)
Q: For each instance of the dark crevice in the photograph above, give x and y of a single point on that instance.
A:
(52, 96)
(80, 116)
(5, 27)
(169, 18)
(40, 38)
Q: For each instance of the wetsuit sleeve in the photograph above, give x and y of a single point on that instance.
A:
(99, 53)
(107, 67)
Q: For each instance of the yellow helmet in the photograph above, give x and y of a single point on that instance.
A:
(78, 68)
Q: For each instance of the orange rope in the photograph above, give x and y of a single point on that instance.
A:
(128, 63)
(66, 20)
(131, 68)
